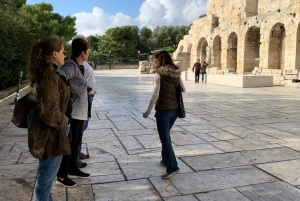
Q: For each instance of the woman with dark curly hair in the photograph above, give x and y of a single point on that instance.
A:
(166, 80)
(50, 94)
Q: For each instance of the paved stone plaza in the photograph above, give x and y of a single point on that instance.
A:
(235, 144)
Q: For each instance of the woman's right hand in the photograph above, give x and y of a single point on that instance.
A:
(146, 114)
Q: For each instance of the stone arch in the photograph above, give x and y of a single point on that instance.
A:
(232, 51)
(277, 47)
(181, 48)
(252, 44)
(297, 65)
(189, 50)
(216, 52)
(203, 52)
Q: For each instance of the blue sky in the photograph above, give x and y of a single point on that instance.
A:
(94, 17)
(112, 7)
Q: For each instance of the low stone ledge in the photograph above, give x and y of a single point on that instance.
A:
(7, 92)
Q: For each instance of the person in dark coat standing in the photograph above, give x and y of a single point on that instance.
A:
(196, 70)
(203, 69)
(50, 93)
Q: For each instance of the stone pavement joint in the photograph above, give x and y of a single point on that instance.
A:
(235, 144)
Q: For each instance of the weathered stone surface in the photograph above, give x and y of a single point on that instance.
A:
(128, 190)
(286, 170)
(182, 198)
(240, 158)
(222, 195)
(164, 187)
(271, 191)
(219, 179)
(19, 189)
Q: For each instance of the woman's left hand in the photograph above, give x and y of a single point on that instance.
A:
(146, 114)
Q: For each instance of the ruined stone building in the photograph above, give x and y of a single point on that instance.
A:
(238, 35)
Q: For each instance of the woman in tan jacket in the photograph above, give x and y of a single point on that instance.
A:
(50, 94)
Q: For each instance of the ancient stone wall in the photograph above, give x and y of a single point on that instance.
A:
(243, 34)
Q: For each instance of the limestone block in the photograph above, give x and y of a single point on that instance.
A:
(276, 71)
(259, 70)
(292, 72)
(299, 75)
(256, 69)
(265, 70)
(254, 72)
(290, 77)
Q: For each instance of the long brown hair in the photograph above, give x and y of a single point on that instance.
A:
(41, 59)
(164, 58)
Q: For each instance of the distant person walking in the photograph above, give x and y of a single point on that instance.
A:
(50, 93)
(196, 70)
(203, 70)
(166, 80)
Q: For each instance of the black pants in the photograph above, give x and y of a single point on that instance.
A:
(197, 73)
(69, 162)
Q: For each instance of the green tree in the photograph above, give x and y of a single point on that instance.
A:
(16, 41)
(93, 41)
(171, 36)
(45, 22)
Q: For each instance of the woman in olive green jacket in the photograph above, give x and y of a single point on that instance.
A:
(50, 94)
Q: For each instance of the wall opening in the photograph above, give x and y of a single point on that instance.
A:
(297, 65)
(203, 55)
(189, 50)
(251, 8)
(216, 54)
(232, 51)
(200, 48)
(277, 47)
(181, 48)
(252, 44)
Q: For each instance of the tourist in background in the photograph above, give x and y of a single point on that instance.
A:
(50, 93)
(203, 70)
(196, 70)
(166, 80)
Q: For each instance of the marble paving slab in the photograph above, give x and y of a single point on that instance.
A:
(150, 131)
(204, 181)
(125, 191)
(225, 146)
(135, 167)
(288, 171)
(274, 191)
(98, 149)
(182, 198)
(9, 159)
(245, 145)
(107, 168)
(206, 137)
(101, 124)
(16, 189)
(59, 193)
(223, 135)
(240, 158)
(99, 179)
(98, 135)
(130, 143)
(180, 138)
(222, 195)
(164, 187)
(18, 171)
(193, 150)
(128, 125)
(149, 141)
(84, 192)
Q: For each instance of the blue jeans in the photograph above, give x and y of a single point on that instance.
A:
(164, 121)
(46, 173)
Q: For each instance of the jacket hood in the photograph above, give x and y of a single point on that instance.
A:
(169, 71)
